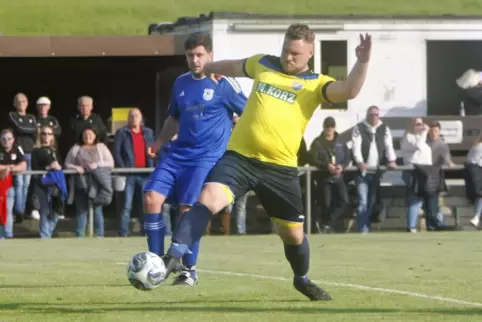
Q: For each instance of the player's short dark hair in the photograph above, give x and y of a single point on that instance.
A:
(435, 124)
(198, 39)
(299, 31)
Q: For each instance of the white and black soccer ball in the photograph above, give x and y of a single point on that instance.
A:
(146, 271)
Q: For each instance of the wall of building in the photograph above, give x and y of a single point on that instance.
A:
(397, 80)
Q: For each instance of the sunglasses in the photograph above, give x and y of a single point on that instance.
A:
(46, 133)
(418, 124)
(7, 138)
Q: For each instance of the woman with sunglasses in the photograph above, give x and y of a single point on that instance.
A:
(45, 157)
(415, 150)
(12, 161)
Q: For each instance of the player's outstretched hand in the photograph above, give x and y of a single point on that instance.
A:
(363, 50)
(215, 78)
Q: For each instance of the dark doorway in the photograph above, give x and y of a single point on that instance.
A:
(334, 64)
(446, 61)
(111, 81)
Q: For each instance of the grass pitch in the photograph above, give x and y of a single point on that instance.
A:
(120, 17)
(247, 279)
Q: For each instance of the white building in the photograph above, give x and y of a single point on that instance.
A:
(415, 60)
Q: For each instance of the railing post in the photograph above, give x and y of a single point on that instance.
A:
(308, 200)
(91, 219)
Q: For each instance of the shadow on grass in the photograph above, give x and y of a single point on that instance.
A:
(314, 308)
(33, 286)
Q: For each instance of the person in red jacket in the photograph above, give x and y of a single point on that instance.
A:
(12, 161)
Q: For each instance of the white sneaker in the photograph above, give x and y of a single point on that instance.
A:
(413, 230)
(61, 217)
(35, 215)
(475, 221)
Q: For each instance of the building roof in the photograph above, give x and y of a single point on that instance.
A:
(186, 22)
(165, 45)
(246, 16)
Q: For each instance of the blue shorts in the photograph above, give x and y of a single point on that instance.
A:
(180, 184)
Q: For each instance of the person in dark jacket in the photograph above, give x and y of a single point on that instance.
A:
(428, 180)
(44, 119)
(45, 157)
(11, 161)
(473, 180)
(331, 155)
(87, 119)
(24, 128)
(426, 185)
(131, 150)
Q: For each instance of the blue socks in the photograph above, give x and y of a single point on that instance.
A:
(299, 258)
(192, 225)
(155, 230)
(190, 258)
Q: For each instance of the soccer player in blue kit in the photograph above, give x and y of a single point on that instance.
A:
(201, 112)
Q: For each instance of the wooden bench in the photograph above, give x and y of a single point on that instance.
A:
(450, 204)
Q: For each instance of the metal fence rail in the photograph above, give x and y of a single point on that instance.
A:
(302, 170)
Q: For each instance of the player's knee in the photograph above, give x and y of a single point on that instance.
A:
(290, 234)
(153, 202)
(215, 196)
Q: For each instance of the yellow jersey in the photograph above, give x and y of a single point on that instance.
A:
(277, 112)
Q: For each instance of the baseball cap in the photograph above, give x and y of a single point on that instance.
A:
(329, 122)
(43, 100)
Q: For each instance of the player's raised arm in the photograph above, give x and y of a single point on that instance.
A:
(230, 68)
(341, 91)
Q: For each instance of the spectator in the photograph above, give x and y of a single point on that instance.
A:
(330, 154)
(46, 157)
(239, 209)
(44, 119)
(170, 215)
(25, 131)
(428, 181)
(474, 179)
(415, 151)
(440, 150)
(372, 147)
(471, 92)
(12, 160)
(87, 119)
(89, 156)
(225, 221)
(131, 150)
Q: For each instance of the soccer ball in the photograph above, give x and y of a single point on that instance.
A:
(146, 271)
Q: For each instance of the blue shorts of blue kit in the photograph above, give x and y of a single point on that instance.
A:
(180, 183)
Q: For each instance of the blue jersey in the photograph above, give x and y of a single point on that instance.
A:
(204, 111)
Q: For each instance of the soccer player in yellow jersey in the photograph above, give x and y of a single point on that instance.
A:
(261, 154)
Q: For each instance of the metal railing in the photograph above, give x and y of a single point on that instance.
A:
(307, 170)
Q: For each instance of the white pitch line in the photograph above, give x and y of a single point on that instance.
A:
(354, 286)
(348, 285)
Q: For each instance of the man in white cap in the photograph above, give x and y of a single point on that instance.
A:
(44, 119)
